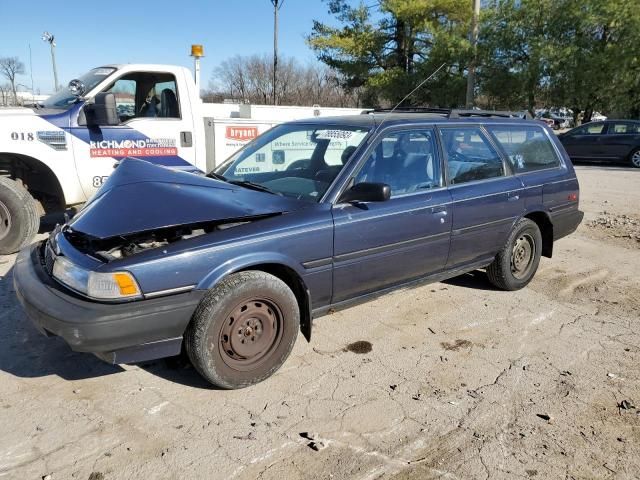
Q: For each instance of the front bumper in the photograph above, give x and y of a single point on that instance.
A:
(118, 333)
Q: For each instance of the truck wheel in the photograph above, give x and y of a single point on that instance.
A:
(243, 330)
(634, 158)
(516, 264)
(19, 218)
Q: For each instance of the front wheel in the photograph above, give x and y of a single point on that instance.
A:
(243, 330)
(634, 158)
(19, 217)
(516, 264)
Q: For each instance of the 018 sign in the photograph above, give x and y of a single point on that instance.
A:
(28, 136)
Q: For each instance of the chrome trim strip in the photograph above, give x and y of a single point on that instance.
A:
(460, 231)
(561, 208)
(385, 214)
(321, 262)
(170, 291)
(344, 257)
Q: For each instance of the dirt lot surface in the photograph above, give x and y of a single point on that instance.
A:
(449, 380)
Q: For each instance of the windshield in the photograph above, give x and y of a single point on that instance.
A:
(295, 160)
(64, 99)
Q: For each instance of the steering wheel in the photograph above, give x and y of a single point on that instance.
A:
(299, 165)
(457, 157)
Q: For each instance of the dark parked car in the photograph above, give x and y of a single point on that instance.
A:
(311, 216)
(612, 140)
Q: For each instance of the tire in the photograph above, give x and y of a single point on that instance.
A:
(634, 158)
(243, 330)
(517, 262)
(19, 217)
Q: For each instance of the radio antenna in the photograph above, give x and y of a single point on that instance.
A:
(410, 93)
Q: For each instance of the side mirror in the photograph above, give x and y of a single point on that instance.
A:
(103, 111)
(77, 88)
(367, 192)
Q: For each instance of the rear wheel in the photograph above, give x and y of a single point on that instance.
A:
(634, 158)
(243, 330)
(19, 217)
(516, 264)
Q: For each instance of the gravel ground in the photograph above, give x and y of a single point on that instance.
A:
(449, 380)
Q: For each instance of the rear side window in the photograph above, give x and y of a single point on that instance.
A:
(470, 156)
(618, 128)
(527, 147)
(589, 129)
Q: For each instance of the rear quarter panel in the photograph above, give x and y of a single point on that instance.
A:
(558, 183)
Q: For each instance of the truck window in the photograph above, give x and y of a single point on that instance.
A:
(63, 99)
(527, 147)
(146, 95)
(470, 156)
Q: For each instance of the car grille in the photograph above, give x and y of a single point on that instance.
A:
(49, 258)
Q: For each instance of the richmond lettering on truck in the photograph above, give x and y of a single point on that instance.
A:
(58, 154)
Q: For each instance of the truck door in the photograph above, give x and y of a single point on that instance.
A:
(156, 126)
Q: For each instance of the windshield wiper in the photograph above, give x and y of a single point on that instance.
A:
(253, 186)
(217, 176)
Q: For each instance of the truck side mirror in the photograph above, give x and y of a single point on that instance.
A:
(103, 111)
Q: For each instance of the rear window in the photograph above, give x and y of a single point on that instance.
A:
(527, 147)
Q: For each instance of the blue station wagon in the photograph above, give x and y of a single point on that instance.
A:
(311, 216)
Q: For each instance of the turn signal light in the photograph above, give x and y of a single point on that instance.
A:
(126, 284)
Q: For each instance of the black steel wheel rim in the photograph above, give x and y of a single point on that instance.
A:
(250, 334)
(522, 255)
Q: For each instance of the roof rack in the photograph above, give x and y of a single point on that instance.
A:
(456, 113)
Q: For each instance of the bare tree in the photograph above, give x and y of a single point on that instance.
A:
(5, 90)
(250, 79)
(10, 67)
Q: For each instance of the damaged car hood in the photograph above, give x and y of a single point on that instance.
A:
(140, 196)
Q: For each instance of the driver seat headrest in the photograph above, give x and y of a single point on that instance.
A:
(168, 104)
(346, 154)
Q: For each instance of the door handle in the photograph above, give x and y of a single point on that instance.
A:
(186, 139)
(442, 210)
(513, 197)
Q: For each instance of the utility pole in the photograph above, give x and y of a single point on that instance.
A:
(277, 5)
(471, 76)
(50, 39)
(33, 98)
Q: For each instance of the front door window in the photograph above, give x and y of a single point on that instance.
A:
(405, 160)
(146, 95)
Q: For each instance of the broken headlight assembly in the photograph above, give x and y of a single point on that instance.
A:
(96, 285)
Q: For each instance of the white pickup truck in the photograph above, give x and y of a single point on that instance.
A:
(58, 154)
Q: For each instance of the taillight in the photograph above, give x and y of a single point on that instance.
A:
(573, 197)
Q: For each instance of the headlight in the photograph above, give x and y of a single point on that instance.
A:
(71, 275)
(98, 285)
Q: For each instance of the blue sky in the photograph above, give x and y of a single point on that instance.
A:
(90, 34)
